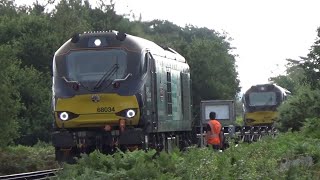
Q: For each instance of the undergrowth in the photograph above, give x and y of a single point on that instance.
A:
(291, 155)
(20, 159)
(261, 160)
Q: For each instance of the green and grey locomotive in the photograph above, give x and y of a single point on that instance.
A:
(111, 89)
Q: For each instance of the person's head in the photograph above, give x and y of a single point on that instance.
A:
(212, 115)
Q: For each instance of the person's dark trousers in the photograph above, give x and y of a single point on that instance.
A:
(215, 147)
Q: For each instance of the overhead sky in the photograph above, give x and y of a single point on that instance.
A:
(264, 32)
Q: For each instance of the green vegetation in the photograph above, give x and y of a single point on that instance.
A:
(239, 112)
(304, 104)
(19, 159)
(268, 159)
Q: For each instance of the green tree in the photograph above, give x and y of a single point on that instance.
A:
(294, 78)
(311, 64)
(7, 8)
(69, 17)
(105, 17)
(35, 42)
(35, 120)
(32, 36)
(304, 104)
(9, 97)
(28, 44)
(303, 80)
(212, 70)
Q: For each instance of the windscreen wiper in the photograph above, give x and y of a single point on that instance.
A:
(67, 81)
(125, 78)
(106, 75)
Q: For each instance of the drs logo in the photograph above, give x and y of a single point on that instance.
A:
(105, 109)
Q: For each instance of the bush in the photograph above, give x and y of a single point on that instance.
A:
(293, 113)
(9, 96)
(19, 159)
(311, 128)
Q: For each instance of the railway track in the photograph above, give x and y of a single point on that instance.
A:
(45, 174)
(249, 133)
(241, 134)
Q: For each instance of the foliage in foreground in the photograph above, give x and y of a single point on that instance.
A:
(269, 158)
(20, 159)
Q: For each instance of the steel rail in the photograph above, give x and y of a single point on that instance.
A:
(45, 174)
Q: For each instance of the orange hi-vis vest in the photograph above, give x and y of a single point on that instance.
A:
(213, 136)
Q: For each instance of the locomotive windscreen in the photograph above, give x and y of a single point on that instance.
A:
(93, 65)
(262, 99)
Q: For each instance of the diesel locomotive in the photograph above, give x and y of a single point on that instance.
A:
(114, 90)
(260, 103)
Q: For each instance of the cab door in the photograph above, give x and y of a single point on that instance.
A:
(151, 95)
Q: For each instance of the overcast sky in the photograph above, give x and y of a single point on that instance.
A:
(265, 32)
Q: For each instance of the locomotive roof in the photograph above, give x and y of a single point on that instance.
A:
(112, 39)
(283, 90)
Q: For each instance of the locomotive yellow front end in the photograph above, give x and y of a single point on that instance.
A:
(96, 110)
(260, 118)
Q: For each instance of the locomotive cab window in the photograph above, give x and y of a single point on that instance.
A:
(262, 98)
(93, 65)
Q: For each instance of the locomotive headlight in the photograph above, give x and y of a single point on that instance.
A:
(64, 116)
(127, 113)
(97, 42)
(130, 113)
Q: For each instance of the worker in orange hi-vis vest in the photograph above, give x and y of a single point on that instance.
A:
(214, 135)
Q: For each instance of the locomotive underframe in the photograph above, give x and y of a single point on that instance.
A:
(70, 143)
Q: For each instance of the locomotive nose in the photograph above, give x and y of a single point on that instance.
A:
(96, 110)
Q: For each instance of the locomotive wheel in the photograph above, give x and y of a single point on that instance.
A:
(65, 155)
